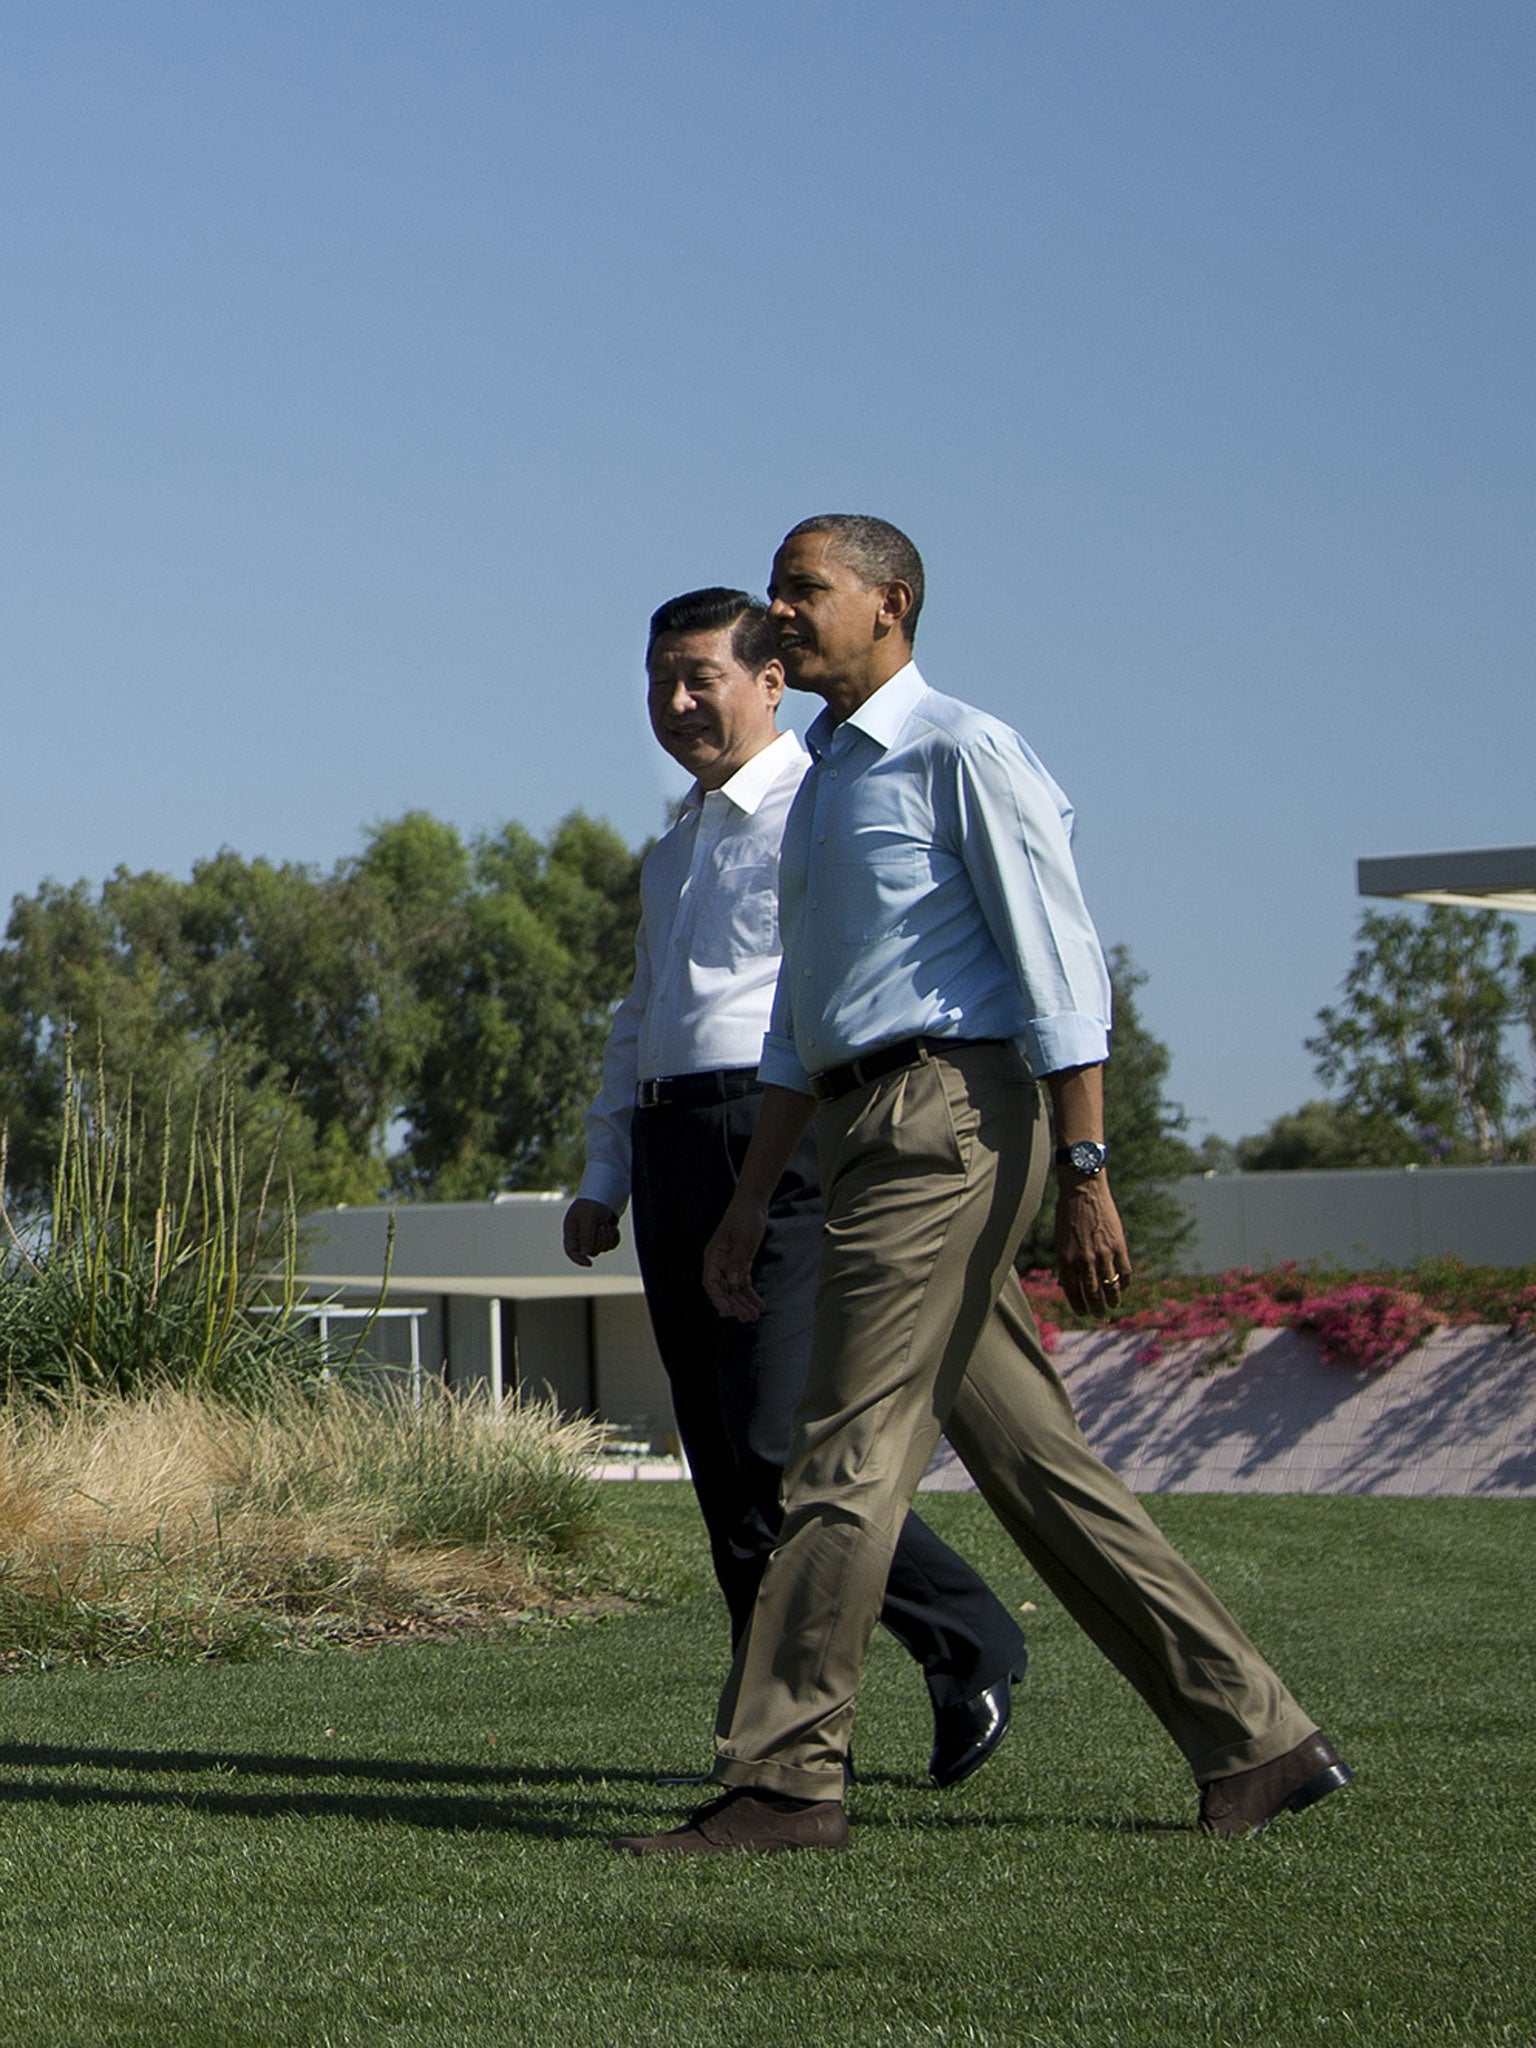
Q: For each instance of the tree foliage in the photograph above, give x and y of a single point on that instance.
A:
(1418, 1053)
(516, 973)
(1325, 1134)
(426, 1019)
(427, 1016)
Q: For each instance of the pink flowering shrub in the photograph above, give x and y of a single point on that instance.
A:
(1043, 1293)
(1359, 1319)
(1364, 1325)
(1522, 1313)
(1353, 1325)
(1223, 1319)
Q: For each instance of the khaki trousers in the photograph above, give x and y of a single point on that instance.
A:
(931, 1177)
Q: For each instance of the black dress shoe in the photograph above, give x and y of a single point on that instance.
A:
(964, 1736)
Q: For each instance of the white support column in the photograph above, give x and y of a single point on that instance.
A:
(498, 1385)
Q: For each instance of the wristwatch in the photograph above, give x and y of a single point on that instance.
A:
(1085, 1157)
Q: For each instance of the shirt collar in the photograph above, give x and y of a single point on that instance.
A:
(755, 778)
(882, 714)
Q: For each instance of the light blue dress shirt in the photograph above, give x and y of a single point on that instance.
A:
(927, 887)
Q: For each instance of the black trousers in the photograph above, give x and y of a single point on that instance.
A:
(735, 1387)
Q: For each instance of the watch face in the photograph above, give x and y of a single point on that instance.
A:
(1087, 1157)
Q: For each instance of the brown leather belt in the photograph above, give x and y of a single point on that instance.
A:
(886, 1059)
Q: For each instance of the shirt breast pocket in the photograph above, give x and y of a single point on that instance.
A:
(739, 920)
(876, 891)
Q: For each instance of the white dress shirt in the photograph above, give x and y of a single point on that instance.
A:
(928, 889)
(706, 953)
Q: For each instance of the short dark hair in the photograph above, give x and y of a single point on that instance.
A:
(873, 549)
(705, 611)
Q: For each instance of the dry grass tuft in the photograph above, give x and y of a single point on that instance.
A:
(175, 1523)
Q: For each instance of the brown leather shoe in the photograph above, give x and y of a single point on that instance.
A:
(746, 1819)
(1249, 1800)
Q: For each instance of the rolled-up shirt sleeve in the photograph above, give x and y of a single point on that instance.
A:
(1014, 834)
(780, 1065)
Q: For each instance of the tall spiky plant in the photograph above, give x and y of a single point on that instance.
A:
(112, 1293)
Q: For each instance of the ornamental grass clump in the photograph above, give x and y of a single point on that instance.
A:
(178, 1523)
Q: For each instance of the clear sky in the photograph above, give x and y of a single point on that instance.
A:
(369, 370)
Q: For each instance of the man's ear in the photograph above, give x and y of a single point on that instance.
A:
(771, 676)
(896, 601)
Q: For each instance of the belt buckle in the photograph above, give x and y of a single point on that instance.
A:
(648, 1095)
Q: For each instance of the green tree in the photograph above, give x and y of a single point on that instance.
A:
(454, 998)
(303, 972)
(1148, 1150)
(516, 970)
(100, 981)
(1419, 1045)
(1327, 1134)
(1525, 999)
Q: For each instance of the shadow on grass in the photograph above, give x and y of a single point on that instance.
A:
(514, 1806)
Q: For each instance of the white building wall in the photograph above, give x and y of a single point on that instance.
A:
(1484, 1215)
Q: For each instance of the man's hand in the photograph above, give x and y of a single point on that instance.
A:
(728, 1260)
(1092, 1261)
(591, 1228)
(781, 1120)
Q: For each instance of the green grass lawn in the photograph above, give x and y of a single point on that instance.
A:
(407, 1846)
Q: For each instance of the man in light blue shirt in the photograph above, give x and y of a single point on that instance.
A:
(939, 967)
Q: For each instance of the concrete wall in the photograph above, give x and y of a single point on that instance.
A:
(1485, 1215)
(465, 1358)
(633, 1386)
(1456, 1416)
(547, 1351)
(511, 1238)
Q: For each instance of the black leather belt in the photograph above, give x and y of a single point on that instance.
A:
(695, 1091)
(886, 1059)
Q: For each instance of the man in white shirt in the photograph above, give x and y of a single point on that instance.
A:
(941, 976)
(671, 1127)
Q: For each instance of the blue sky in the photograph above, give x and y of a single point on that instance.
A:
(369, 371)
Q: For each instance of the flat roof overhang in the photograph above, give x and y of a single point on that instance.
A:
(503, 1287)
(1485, 878)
